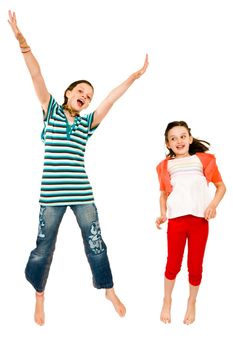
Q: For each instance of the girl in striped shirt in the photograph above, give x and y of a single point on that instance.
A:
(65, 182)
(185, 200)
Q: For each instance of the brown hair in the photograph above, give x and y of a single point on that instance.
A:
(196, 146)
(72, 86)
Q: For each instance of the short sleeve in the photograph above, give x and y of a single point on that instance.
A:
(52, 106)
(159, 170)
(210, 168)
(164, 177)
(215, 173)
(90, 118)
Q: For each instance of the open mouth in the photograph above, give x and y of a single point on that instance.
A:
(180, 147)
(80, 102)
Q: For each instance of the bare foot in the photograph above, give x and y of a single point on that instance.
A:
(39, 315)
(119, 307)
(190, 313)
(165, 315)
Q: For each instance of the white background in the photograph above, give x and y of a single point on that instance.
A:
(190, 77)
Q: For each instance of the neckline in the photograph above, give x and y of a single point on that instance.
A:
(74, 118)
(180, 158)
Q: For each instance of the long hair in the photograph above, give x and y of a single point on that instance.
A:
(72, 86)
(196, 146)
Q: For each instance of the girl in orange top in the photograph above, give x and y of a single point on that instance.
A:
(185, 200)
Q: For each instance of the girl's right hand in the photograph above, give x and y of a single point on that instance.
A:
(13, 23)
(160, 220)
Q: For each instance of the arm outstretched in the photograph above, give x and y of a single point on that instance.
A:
(31, 63)
(116, 93)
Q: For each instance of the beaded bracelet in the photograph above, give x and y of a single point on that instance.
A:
(25, 49)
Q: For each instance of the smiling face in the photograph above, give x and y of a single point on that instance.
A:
(79, 97)
(178, 140)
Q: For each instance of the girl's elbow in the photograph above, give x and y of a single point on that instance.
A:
(224, 188)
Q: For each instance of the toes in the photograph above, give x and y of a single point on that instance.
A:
(121, 310)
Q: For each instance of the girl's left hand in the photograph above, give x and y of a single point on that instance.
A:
(210, 212)
(141, 71)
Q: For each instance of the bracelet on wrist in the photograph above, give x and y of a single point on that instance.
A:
(25, 49)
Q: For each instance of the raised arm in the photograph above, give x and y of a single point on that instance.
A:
(116, 93)
(31, 63)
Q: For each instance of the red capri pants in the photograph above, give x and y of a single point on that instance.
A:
(195, 231)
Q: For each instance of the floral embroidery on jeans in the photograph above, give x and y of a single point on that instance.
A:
(95, 240)
(41, 223)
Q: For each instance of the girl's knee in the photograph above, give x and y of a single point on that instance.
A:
(171, 274)
(195, 280)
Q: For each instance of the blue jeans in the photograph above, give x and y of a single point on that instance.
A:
(40, 259)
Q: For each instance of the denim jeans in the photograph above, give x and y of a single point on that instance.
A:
(40, 259)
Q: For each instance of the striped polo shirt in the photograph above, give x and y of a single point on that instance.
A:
(64, 179)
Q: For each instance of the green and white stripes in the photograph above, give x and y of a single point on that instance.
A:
(64, 180)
